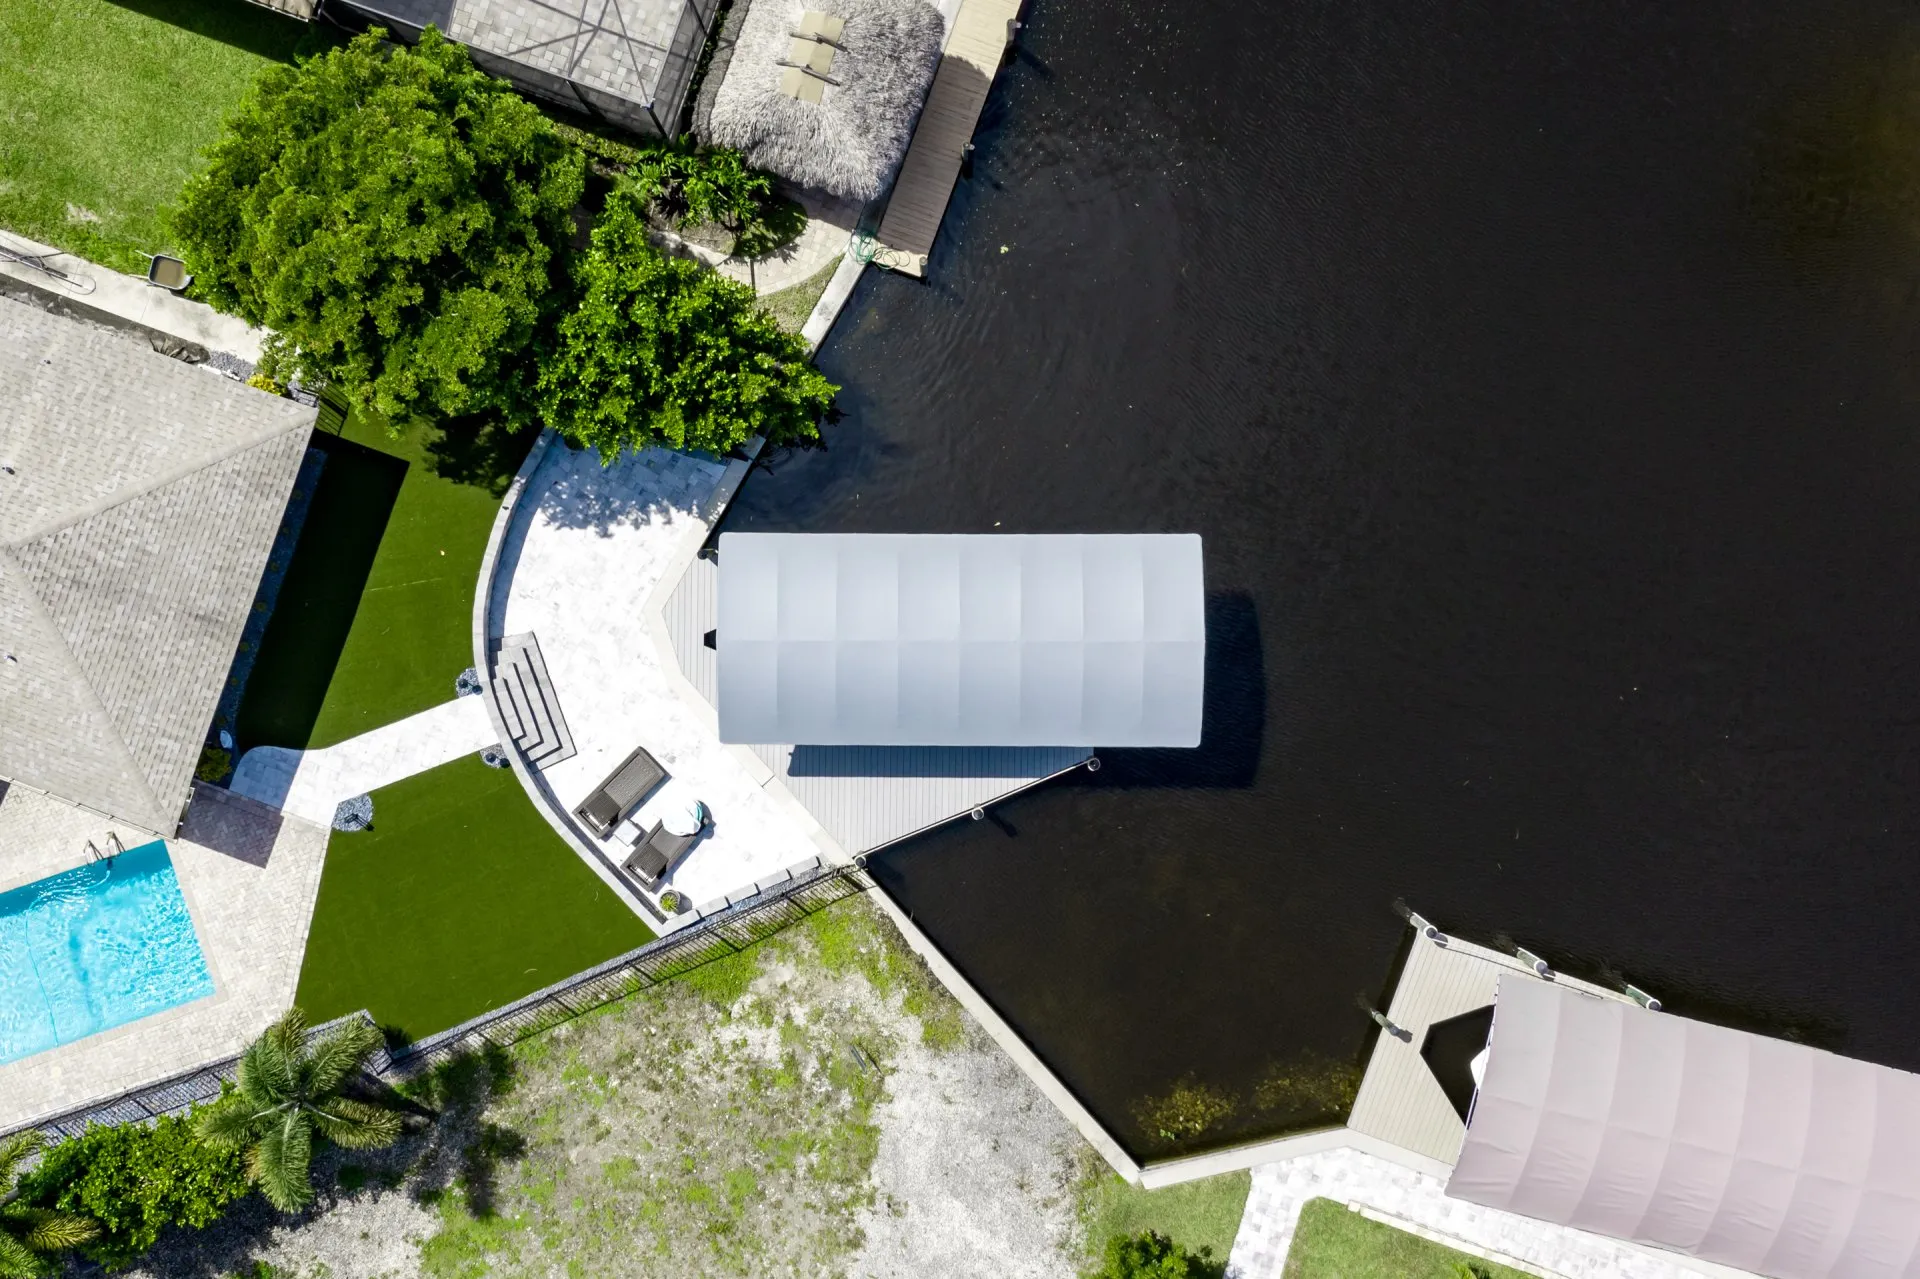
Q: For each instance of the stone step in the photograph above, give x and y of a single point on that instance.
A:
(527, 702)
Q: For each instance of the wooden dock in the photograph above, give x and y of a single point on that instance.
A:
(981, 33)
(1399, 1100)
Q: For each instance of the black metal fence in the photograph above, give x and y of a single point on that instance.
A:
(714, 937)
(174, 1093)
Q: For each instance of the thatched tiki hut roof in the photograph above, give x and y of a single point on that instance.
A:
(842, 124)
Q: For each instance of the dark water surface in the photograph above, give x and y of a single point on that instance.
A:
(1544, 381)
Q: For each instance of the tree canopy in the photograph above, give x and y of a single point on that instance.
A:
(662, 351)
(128, 1182)
(398, 219)
(288, 1090)
(30, 1233)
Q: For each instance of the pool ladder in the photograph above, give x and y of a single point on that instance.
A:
(113, 842)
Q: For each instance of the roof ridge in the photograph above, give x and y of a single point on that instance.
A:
(159, 480)
(38, 613)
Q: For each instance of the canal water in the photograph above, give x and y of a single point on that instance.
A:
(1545, 382)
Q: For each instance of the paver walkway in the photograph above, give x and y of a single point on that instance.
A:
(1410, 1198)
(311, 784)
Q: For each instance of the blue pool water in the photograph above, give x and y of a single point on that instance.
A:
(95, 947)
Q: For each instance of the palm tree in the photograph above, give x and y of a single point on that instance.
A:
(289, 1089)
(28, 1234)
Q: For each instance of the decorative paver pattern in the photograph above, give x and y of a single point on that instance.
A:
(249, 876)
(1349, 1176)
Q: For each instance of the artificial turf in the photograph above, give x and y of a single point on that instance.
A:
(459, 899)
(375, 620)
(105, 108)
(1333, 1242)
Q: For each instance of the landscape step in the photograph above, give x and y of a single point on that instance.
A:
(527, 704)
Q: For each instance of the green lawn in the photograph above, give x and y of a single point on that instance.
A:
(104, 109)
(459, 899)
(1333, 1242)
(792, 305)
(1195, 1214)
(375, 621)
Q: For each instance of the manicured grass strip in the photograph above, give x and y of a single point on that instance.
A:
(458, 900)
(104, 109)
(1332, 1242)
(358, 642)
(792, 305)
(1194, 1214)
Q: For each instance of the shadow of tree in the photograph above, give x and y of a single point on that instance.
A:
(482, 452)
(250, 27)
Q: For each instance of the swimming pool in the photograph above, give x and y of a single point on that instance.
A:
(95, 947)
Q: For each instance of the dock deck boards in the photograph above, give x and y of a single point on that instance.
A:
(920, 194)
(1399, 1100)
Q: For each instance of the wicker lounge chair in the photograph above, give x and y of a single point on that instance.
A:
(621, 793)
(655, 856)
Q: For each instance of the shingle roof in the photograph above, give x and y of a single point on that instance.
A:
(135, 520)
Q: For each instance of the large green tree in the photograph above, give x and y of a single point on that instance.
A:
(288, 1091)
(29, 1234)
(128, 1182)
(663, 351)
(398, 219)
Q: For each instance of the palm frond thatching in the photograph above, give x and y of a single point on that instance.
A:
(852, 141)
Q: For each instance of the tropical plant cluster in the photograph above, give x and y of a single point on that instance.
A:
(408, 227)
(111, 1191)
(1152, 1255)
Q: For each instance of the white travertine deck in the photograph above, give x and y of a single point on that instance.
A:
(249, 876)
(1399, 1100)
(311, 784)
(585, 550)
(976, 41)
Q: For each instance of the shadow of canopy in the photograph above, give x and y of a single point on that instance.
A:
(1233, 717)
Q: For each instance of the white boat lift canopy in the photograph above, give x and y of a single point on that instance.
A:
(1736, 1148)
(944, 640)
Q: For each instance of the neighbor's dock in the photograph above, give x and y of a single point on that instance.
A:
(1399, 1100)
(981, 33)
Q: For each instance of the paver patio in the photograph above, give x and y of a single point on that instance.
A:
(249, 877)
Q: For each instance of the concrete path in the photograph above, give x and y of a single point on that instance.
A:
(311, 784)
(110, 296)
(1417, 1202)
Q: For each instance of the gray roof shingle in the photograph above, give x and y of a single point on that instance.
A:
(134, 525)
